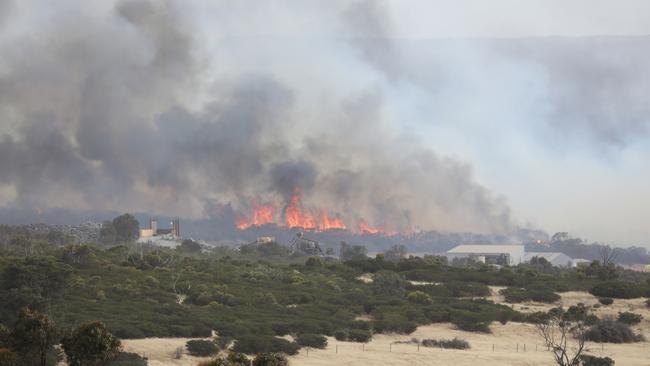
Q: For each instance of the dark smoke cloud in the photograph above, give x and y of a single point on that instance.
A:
(106, 119)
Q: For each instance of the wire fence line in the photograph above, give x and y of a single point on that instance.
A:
(418, 348)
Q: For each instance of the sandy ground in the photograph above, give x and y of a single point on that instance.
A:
(510, 344)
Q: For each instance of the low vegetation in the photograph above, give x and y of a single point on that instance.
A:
(455, 343)
(255, 297)
(201, 348)
(608, 330)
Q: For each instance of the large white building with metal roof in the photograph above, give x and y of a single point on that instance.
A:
(514, 253)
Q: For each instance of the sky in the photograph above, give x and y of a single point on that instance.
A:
(460, 115)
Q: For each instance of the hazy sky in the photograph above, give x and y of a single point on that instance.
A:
(541, 105)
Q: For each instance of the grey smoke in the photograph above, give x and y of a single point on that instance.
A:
(117, 115)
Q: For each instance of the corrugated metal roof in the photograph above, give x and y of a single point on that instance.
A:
(486, 249)
(549, 256)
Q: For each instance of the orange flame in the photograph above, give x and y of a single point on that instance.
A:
(294, 215)
(365, 228)
(327, 223)
(262, 214)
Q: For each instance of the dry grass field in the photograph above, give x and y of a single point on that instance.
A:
(510, 344)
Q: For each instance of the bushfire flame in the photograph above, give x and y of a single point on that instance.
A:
(262, 214)
(296, 216)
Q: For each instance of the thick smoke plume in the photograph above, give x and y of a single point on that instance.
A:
(117, 114)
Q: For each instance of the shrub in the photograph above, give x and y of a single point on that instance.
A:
(470, 322)
(90, 343)
(201, 348)
(610, 331)
(341, 335)
(588, 360)
(238, 359)
(311, 340)
(252, 344)
(616, 289)
(215, 362)
(455, 343)
(395, 326)
(517, 295)
(359, 335)
(629, 318)
(605, 301)
(647, 303)
(270, 359)
(128, 359)
(419, 297)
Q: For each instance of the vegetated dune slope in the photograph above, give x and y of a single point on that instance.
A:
(514, 343)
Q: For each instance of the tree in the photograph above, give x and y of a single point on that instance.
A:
(107, 234)
(395, 253)
(388, 283)
(190, 246)
(557, 332)
(33, 337)
(91, 344)
(127, 228)
(352, 252)
(607, 255)
(270, 359)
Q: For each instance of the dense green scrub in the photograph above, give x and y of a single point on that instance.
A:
(145, 291)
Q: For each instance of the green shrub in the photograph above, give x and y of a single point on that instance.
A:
(270, 359)
(238, 359)
(610, 331)
(253, 344)
(470, 322)
(311, 340)
(455, 343)
(128, 359)
(617, 290)
(517, 295)
(629, 318)
(588, 360)
(341, 335)
(605, 301)
(419, 297)
(201, 348)
(394, 326)
(359, 335)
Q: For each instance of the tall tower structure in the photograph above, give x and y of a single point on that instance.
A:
(176, 227)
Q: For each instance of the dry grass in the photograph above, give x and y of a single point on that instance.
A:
(509, 341)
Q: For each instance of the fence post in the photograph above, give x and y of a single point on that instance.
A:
(517, 347)
(307, 351)
(524, 347)
(492, 347)
(536, 348)
(390, 347)
(337, 349)
(418, 347)
(363, 347)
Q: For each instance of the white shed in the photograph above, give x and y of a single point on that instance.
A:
(555, 258)
(513, 252)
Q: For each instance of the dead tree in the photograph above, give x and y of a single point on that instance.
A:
(565, 339)
(607, 255)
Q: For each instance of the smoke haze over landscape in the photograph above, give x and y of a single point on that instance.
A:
(189, 108)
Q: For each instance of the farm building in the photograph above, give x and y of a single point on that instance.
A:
(555, 258)
(513, 253)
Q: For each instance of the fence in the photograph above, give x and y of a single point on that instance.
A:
(412, 347)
